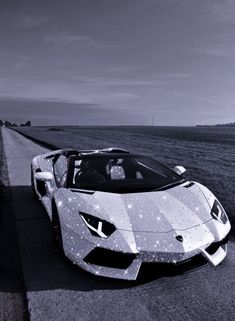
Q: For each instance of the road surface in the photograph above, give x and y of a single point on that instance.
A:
(57, 290)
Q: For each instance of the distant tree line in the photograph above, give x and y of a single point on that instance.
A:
(9, 124)
(232, 124)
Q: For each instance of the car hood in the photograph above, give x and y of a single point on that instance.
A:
(178, 208)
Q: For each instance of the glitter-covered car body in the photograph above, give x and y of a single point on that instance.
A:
(166, 225)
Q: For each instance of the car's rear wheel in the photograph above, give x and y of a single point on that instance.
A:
(56, 234)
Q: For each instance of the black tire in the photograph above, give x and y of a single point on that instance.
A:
(32, 185)
(56, 234)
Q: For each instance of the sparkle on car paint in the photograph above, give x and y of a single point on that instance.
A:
(147, 223)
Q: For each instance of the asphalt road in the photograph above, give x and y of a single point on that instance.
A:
(57, 290)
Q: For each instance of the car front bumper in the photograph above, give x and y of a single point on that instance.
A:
(118, 257)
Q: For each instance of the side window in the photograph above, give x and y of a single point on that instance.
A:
(60, 170)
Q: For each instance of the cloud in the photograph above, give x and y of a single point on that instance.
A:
(64, 39)
(108, 81)
(224, 11)
(213, 51)
(122, 68)
(22, 62)
(24, 21)
(172, 76)
(208, 99)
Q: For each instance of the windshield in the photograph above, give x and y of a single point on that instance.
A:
(120, 174)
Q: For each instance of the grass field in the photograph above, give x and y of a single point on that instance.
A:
(207, 152)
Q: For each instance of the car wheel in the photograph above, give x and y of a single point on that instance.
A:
(32, 185)
(57, 235)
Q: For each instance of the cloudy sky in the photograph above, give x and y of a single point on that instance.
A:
(126, 61)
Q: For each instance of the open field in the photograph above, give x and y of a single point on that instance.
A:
(207, 152)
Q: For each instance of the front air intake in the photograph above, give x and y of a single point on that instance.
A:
(107, 258)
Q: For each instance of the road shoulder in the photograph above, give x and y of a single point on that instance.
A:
(13, 305)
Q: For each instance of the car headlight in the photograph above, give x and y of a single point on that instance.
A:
(218, 213)
(97, 226)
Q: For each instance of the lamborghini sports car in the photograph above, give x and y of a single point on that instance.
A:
(112, 211)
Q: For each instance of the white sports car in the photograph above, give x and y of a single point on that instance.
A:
(112, 210)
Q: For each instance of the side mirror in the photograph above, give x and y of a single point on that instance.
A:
(179, 170)
(44, 176)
